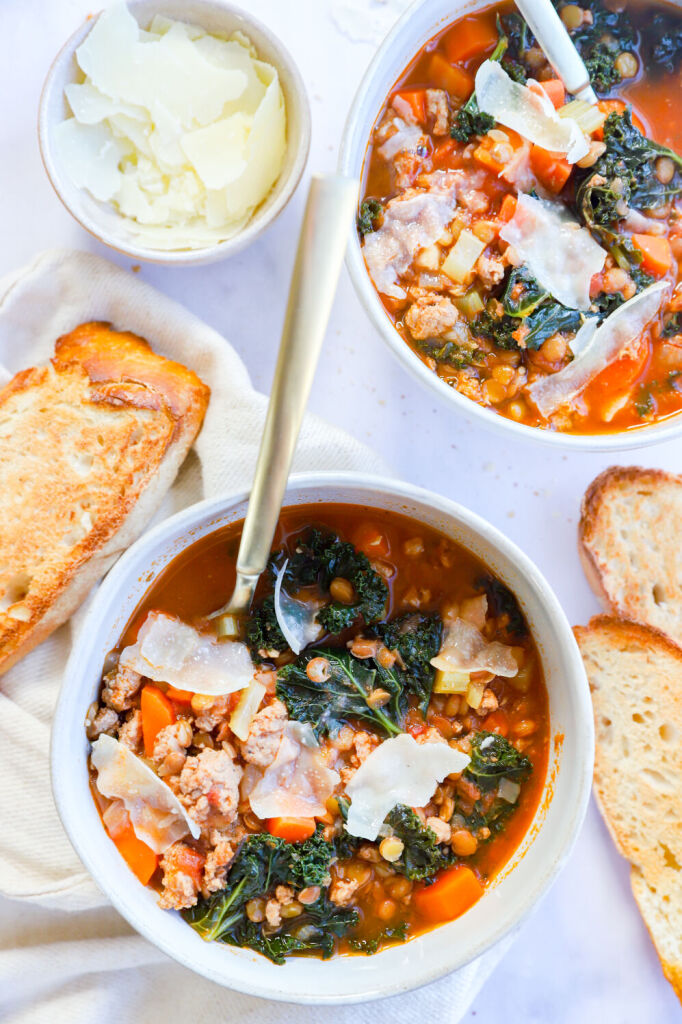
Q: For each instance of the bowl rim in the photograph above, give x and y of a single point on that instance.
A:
(257, 223)
(352, 155)
(65, 723)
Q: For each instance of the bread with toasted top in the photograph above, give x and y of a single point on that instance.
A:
(89, 444)
(629, 538)
(635, 675)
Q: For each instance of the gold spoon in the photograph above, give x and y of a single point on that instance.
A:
(324, 232)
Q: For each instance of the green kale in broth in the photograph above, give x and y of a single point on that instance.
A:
(492, 758)
(370, 215)
(263, 634)
(600, 40)
(370, 945)
(417, 639)
(422, 854)
(526, 316)
(664, 39)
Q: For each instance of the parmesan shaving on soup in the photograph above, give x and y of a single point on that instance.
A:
(184, 133)
(561, 255)
(157, 816)
(296, 619)
(169, 651)
(604, 345)
(528, 112)
(398, 771)
(465, 649)
(298, 783)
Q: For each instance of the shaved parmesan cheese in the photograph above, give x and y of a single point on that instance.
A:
(398, 771)
(604, 345)
(561, 255)
(409, 225)
(170, 651)
(464, 649)
(528, 112)
(296, 619)
(298, 783)
(182, 132)
(156, 814)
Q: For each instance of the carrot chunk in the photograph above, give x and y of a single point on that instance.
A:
(415, 100)
(554, 89)
(497, 722)
(179, 696)
(369, 539)
(157, 713)
(139, 857)
(294, 830)
(552, 169)
(455, 891)
(471, 37)
(508, 208)
(657, 257)
(456, 81)
(619, 374)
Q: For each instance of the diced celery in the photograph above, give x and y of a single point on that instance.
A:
(451, 682)
(227, 626)
(248, 705)
(587, 116)
(470, 305)
(461, 259)
(475, 694)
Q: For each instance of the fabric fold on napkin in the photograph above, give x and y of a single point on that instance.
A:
(65, 954)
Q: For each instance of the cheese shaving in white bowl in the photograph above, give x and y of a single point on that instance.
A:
(527, 112)
(157, 816)
(398, 771)
(170, 651)
(465, 649)
(298, 783)
(183, 133)
(561, 255)
(597, 347)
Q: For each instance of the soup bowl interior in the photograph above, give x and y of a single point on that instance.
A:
(509, 897)
(101, 219)
(421, 22)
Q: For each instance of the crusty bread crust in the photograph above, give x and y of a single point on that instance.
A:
(88, 447)
(635, 675)
(628, 545)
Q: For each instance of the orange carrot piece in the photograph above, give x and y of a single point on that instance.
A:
(555, 92)
(497, 722)
(471, 37)
(157, 713)
(183, 697)
(455, 891)
(191, 863)
(484, 157)
(294, 830)
(552, 169)
(508, 208)
(618, 375)
(139, 857)
(454, 80)
(657, 257)
(415, 100)
(369, 539)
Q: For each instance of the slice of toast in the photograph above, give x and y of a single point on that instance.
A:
(629, 538)
(88, 447)
(635, 676)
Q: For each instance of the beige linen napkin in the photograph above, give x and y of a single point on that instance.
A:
(65, 954)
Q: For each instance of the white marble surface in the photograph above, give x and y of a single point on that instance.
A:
(585, 955)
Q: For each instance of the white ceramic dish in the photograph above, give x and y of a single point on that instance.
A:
(101, 219)
(401, 968)
(421, 22)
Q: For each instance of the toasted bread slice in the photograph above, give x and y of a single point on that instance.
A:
(88, 447)
(630, 545)
(635, 676)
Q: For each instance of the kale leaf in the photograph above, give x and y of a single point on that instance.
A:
(318, 559)
(451, 353)
(417, 639)
(262, 863)
(665, 34)
(371, 211)
(623, 177)
(501, 601)
(345, 695)
(370, 945)
(522, 293)
(672, 326)
(526, 317)
(600, 41)
(492, 758)
(262, 631)
(422, 855)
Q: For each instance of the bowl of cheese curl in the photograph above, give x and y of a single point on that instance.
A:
(174, 132)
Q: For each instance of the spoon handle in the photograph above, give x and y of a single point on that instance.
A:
(324, 233)
(558, 47)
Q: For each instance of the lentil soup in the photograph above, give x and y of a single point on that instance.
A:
(275, 861)
(503, 261)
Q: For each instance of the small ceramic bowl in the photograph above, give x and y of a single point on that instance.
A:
(343, 979)
(101, 219)
(420, 23)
